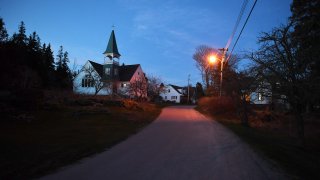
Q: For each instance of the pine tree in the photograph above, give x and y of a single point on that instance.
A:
(3, 32)
(34, 42)
(20, 38)
(63, 72)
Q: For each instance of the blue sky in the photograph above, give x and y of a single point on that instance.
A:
(161, 35)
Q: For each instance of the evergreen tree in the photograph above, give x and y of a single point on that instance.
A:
(306, 36)
(199, 90)
(34, 42)
(3, 32)
(63, 73)
(20, 38)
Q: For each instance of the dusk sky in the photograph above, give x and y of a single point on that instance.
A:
(161, 35)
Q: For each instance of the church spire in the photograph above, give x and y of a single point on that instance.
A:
(112, 48)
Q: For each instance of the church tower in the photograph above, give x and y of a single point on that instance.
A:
(112, 55)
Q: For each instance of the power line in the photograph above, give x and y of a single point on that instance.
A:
(244, 5)
(245, 23)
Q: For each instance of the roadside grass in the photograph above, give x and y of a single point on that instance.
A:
(57, 138)
(278, 147)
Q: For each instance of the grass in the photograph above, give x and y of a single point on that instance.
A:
(57, 138)
(279, 148)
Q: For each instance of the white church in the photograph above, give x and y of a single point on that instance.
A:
(111, 77)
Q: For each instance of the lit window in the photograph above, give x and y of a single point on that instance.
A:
(260, 97)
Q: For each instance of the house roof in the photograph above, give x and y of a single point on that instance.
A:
(127, 71)
(112, 48)
(176, 88)
(97, 67)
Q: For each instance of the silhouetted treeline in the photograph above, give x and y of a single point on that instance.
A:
(27, 63)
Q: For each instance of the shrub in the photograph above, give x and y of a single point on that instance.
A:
(217, 105)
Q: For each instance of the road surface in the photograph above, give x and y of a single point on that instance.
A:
(181, 144)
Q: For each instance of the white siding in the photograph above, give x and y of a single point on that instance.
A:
(170, 92)
(77, 83)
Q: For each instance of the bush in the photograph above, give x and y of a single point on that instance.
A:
(131, 105)
(217, 105)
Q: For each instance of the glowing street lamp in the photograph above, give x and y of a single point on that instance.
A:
(212, 59)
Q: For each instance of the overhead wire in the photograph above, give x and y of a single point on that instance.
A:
(244, 5)
(244, 25)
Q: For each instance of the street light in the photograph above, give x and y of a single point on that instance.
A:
(224, 51)
(212, 59)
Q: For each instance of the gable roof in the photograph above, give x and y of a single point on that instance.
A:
(97, 67)
(176, 88)
(112, 48)
(127, 71)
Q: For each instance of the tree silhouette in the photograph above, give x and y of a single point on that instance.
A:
(3, 32)
(63, 74)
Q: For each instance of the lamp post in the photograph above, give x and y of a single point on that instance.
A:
(224, 51)
(213, 59)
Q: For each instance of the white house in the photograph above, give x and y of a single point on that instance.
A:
(262, 95)
(172, 93)
(110, 77)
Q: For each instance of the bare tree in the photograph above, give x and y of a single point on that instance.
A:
(154, 87)
(201, 58)
(211, 72)
(277, 60)
(93, 79)
(138, 88)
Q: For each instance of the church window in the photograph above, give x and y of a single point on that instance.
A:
(87, 81)
(107, 71)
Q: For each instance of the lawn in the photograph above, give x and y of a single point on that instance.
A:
(54, 138)
(299, 163)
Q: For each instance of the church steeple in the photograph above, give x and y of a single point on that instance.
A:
(112, 48)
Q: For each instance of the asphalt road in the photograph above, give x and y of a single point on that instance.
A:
(181, 144)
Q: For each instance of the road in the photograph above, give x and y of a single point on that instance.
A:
(180, 144)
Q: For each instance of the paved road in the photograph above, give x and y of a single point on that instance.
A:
(180, 144)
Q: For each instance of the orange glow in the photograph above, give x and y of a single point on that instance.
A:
(212, 59)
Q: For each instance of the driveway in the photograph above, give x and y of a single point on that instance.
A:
(180, 144)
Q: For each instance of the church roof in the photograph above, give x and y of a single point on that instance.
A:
(97, 67)
(125, 71)
(112, 48)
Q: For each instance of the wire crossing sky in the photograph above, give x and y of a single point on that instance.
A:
(161, 35)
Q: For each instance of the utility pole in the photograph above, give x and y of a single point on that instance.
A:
(224, 51)
(188, 89)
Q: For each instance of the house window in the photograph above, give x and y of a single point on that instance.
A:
(87, 81)
(168, 90)
(107, 71)
(116, 71)
(260, 97)
(174, 97)
(123, 85)
(165, 97)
